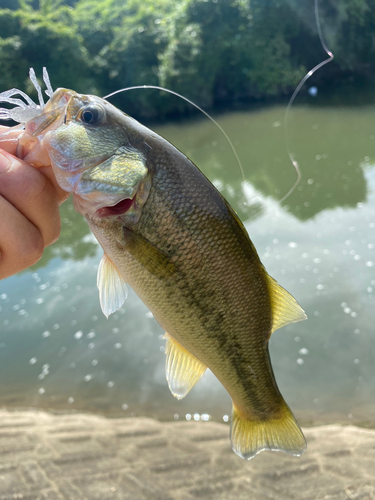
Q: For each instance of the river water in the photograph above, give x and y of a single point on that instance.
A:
(58, 351)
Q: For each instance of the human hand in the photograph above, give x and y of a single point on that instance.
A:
(29, 211)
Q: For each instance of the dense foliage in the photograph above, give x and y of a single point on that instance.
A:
(213, 51)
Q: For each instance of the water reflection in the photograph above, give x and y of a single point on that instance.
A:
(332, 149)
(58, 351)
(331, 146)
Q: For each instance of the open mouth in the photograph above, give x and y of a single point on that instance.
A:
(120, 208)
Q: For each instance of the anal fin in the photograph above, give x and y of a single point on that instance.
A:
(112, 287)
(183, 370)
(278, 433)
(285, 308)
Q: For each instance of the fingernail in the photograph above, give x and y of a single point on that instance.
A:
(5, 161)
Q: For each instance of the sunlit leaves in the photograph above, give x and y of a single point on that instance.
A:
(215, 52)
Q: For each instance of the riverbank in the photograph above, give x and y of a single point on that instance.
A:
(85, 457)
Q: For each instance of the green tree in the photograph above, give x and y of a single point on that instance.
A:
(214, 52)
(32, 39)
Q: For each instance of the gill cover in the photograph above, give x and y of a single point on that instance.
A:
(93, 158)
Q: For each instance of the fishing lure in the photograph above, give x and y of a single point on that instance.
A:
(25, 111)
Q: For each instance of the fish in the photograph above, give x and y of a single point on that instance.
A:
(167, 232)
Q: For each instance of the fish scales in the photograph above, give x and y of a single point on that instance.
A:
(211, 294)
(168, 232)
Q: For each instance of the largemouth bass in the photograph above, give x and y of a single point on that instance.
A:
(168, 233)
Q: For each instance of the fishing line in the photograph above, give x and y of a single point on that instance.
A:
(294, 95)
(286, 115)
(193, 104)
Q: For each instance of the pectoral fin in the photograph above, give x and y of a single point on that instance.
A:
(148, 255)
(285, 308)
(112, 287)
(183, 370)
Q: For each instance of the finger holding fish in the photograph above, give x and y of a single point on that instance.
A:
(9, 142)
(30, 218)
(19, 248)
(9, 138)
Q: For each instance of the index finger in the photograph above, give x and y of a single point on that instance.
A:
(9, 144)
(61, 194)
(9, 139)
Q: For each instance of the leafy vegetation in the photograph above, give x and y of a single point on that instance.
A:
(214, 52)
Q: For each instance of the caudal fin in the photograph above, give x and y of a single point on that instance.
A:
(282, 433)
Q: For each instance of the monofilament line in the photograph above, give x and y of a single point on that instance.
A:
(294, 95)
(193, 104)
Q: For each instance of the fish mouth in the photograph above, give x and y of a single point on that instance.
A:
(102, 201)
(96, 199)
(130, 206)
(120, 208)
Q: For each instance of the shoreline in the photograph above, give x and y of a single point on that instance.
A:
(305, 421)
(86, 457)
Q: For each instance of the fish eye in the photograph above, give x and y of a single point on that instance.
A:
(92, 115)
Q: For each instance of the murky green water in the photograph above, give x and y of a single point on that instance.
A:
(57, 350)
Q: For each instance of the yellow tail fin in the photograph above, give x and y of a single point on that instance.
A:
(250, 437)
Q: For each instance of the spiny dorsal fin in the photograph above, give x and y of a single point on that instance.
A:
(112, 287)
(278, 433)
(183, 370)
(285, 308)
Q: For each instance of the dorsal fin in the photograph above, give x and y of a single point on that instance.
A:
(112, 287)
(183, 370)
(285, 308)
